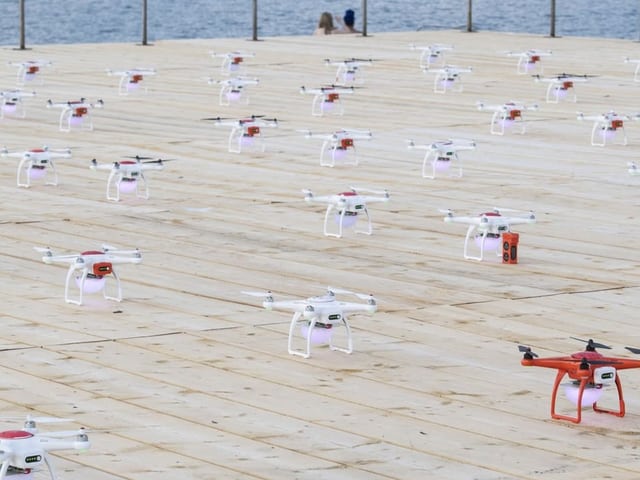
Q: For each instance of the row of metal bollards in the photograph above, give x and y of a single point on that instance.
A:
(552, 31)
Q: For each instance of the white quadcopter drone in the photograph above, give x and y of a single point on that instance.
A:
(560, 85)
(318, 317)
(231, 90)
(231, 61)
(606, 128)
(441, 156)
(28, 71)
(326, 100)
(339, 146)
(448, 78)
(529, 61)
(246, 132)
(487, 229)
(131, 80)
(348, 71)
(127, 176)
(90, 270)
(76, 114)
(431, 54)
(35, 163)
(348, 206)
(12, 103)
(506, 116)
(25, 451)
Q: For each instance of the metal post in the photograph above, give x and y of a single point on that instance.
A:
(364, 18)
(22, 42)
(144, 22)
(553, 19)
(255, 20)
(470, 16)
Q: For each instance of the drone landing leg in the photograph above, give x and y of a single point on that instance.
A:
(323, 150)
(326, 223)
(425, 162)
(369, 229)
(294, 321)
(466, 244)
(497, 120)
(235, 140)
(583, 383)
(24, 170)
(145, 195)
(52, 471)
(349, 347)
(118, 296)
(316, 105)
(70, 273)
(113, 185)
(55, 174)
(621, 409)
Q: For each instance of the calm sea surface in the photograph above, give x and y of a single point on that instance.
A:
(99, 21)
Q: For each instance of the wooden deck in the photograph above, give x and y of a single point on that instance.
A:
(189, 378)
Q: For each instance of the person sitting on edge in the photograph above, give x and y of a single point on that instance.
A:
(325, 25)
(348, 22)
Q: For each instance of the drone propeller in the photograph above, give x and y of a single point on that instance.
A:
(259, 294)
(568, 75)
(591, 345)
(333, 290)
(528, 353)
(65, 433)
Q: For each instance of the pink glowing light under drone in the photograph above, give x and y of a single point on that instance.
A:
(9, 108)
(76, 120)
(490, 242)
(128, 185)
(442, 165)
(348, 221)
(590, 395)
(233, 96)
(319, 335)
(37, 172)
(92, 284)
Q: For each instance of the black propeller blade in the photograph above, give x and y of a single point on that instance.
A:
(591, 345)
(633, 350)
(528, 353)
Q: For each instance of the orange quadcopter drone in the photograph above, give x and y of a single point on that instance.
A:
(589, 373)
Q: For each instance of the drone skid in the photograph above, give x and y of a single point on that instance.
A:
(341, 214)
(71, 276)
(327, 104)
(246, 138)
(560, 91)
(502, 121)
(12, 108)
(605, 133)
(444, 82)
(436, 161)
(116, 185)
(332, 152)
(584, 383)
(29, 170)
(298, 319)
(482, 241)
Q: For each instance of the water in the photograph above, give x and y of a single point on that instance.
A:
(100, 21)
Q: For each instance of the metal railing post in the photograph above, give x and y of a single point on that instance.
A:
(552, 32)
(470, 16)
(255, 20)
(364, 18)
(22, 36)
(144, 22)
